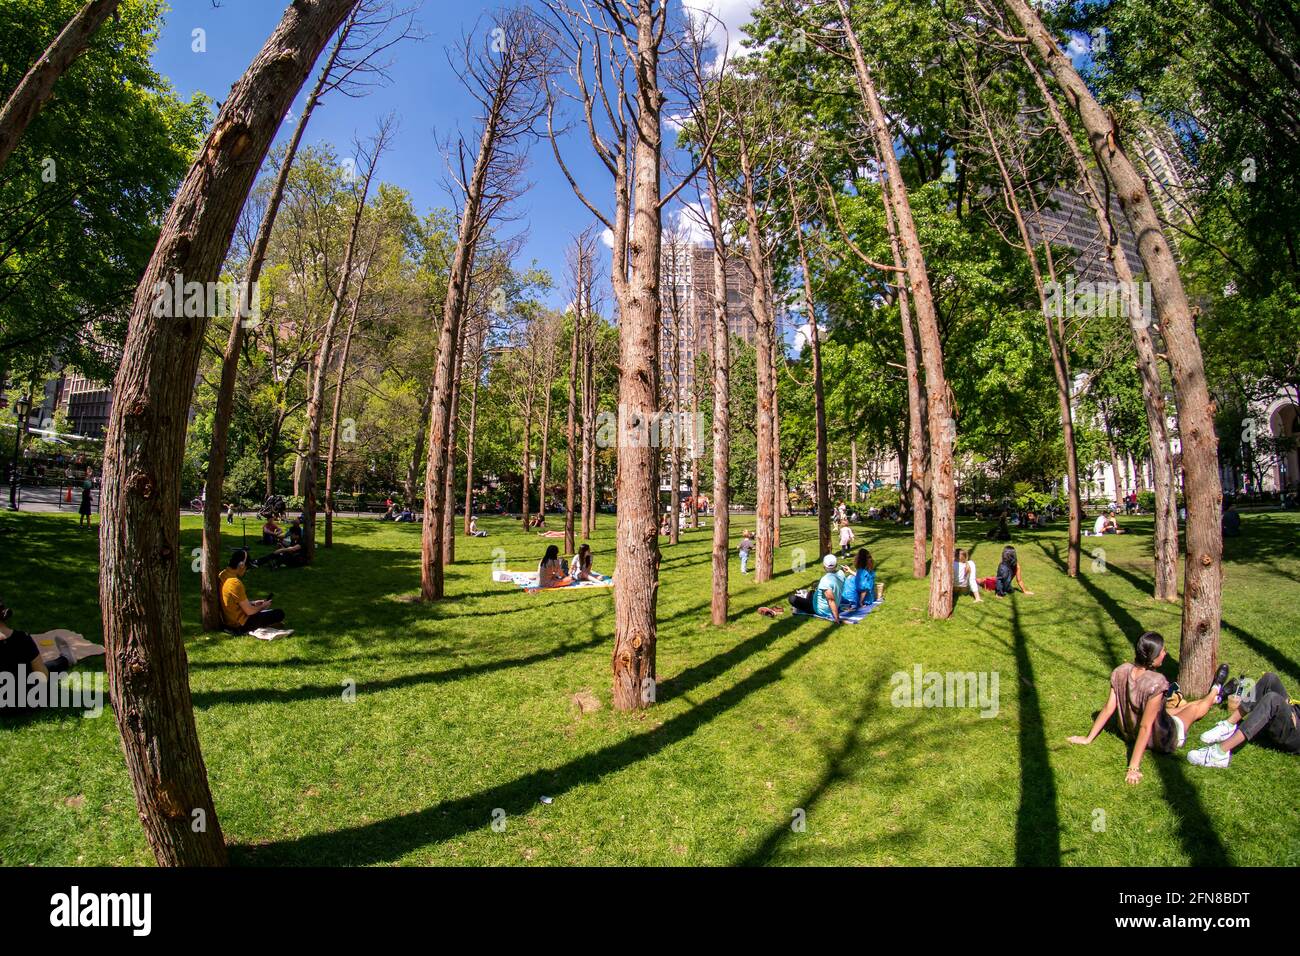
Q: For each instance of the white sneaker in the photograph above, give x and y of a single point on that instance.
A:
(1219, 732)
(1213, 756)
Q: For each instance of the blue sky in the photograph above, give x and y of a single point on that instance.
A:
(424, 92)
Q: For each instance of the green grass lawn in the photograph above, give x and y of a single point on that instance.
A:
(464, 708)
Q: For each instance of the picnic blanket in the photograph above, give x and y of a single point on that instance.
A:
(528, 579)
(73, 642)
(853, 617)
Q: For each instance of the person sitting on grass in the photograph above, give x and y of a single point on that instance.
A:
(860, 588)
(1106, 524)
(551, 572)
(581, 570)
(1000, 532)
(825, 599)
(1008, 574)
(272, 533)
(1268, 710)
(963, 576)
(239, 613)
(474, 532)
(1150, 711)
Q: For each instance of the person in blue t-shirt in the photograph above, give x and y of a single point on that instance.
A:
(825, 600)
(860, 587)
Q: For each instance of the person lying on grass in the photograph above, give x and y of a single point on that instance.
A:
(1151, 712)
(825, 599)
(237, 611)
(551, 572)
(1266, 713)
(20, 656)
(963, 576)
(1008, 574)
(860, 587)
(581, 570)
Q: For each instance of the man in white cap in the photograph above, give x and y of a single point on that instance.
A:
(825, 601)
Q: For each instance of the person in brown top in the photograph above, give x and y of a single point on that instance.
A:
(1148, 708)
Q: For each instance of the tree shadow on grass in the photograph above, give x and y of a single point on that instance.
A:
(263, 695)
(1038, 824)
(1196, 831)
(1280, 661)
(390, 839)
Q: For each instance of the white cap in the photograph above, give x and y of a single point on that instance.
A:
(829, 562)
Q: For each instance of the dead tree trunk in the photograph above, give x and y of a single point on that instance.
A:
(1166, 518)
(766, 485)
(942, 421)
(139, 585)
(1054, 321)
(721, 411)
(822, 477)
(1203, 572)
(225, 400)
(311, 460)
(636, 589)
(417, 453)
(448, 507)
(331, 456)
(35, 89)
(470, 431)
(570, 433)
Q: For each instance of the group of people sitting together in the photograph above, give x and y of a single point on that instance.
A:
(402, 514)
(287, 544)
(554, 571)
(839, 591)
(966, 579)
(1152, 714)
(1106, 524)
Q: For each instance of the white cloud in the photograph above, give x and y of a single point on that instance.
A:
(723, 15)
(607, 237)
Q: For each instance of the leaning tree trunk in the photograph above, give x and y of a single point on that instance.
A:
(417, 452)
(224, 409)
(588, 430)
(1055, 333)
(225, 402)
(636, 587)
(35, 89)
(822, 478)
(448, 507)
(1166, 519)
(311, 460)
(917, 414)
(766, 483)
(942, 423)
(453, 313)
(570, 433)
(331, 455)
(543, 472)
(1203, 571)
(721, 413)
(139, 584)
(675, 447)
(470, 431)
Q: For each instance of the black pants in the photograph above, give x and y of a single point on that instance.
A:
(267, 618)
(1271, 713)
(801, 603)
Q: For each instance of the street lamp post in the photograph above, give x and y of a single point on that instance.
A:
(21, 409)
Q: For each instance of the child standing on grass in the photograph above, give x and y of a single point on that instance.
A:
(846, 537)
(746, 546)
